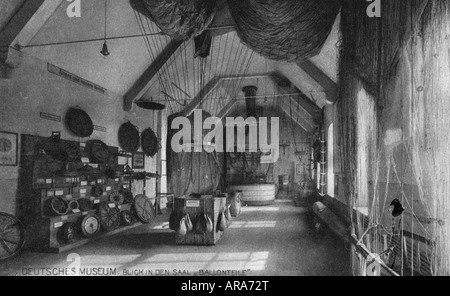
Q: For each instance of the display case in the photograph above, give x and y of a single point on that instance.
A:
(67, 200)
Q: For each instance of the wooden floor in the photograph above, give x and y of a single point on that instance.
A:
(275, 240)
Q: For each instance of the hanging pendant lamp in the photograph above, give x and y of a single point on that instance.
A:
(105, 50)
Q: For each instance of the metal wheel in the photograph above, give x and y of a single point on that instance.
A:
(89, 225)
(12, 236)
(109, 216)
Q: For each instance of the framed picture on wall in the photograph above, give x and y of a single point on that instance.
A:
(138, 160)
(8, 148)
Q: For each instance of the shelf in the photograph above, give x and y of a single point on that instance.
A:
(84, 241)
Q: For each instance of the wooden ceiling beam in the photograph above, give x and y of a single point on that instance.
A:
(23, 27)
(329, 86)
(141, 86)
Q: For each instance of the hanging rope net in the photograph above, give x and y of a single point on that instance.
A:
(394, 124)
(285, 30)
(179, 19)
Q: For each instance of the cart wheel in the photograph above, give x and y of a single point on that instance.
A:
(109, 216)
(12, 236)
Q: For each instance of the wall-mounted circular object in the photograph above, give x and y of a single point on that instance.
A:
(79, 123)
(97, 191)
(109, 216)
(85, 204)
(57, 206)
(143, 209)
(149, 142)
(74, 205)
(98, 151)
(89, 225)
(129, 138)
(67, 233)
(126, 218)
(116, 197)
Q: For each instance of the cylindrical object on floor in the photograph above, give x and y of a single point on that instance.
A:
(256, 194)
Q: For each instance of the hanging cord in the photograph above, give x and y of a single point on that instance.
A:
(105, 17)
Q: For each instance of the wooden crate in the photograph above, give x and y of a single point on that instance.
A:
(212, 206)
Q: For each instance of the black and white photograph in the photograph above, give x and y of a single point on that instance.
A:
(224, 143)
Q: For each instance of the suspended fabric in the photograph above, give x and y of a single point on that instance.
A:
(179, 19)
(286, 30)
(394, 135)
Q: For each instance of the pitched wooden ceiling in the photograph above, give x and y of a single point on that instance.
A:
(181, 81)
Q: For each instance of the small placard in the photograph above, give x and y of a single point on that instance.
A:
(48, 181)
(112, 205)
(83, 190)
(82, 144)
(96, 201)
(108, 188)
(51, 117)
(76, 211)
(59, 192)
(58, 225)
(83, 183)
(125, 186)
(64, 218)
(94, 165)
(192, 203)
(69, 180)
(50, 193)
(116, 179)
(99, 181)
(84, 213)
(99, 128)
(85, 160)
